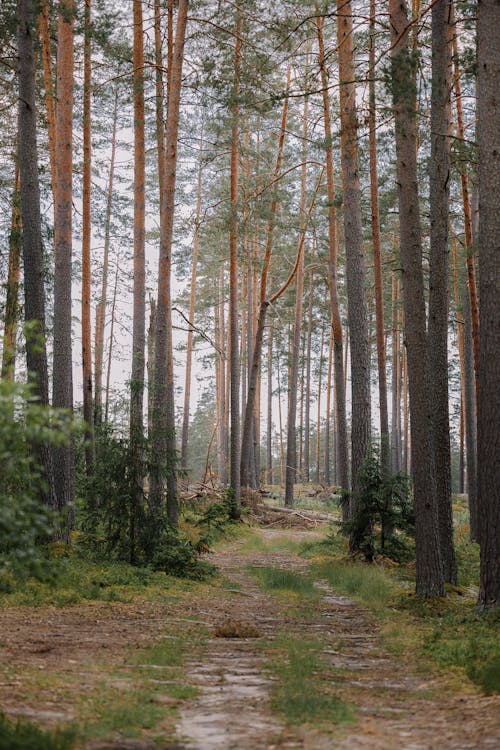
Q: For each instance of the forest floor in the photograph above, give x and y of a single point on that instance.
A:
(268, 656)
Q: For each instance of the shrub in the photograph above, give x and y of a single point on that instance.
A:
(25, 521)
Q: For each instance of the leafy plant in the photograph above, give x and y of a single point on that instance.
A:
(383, 516)
(25, 520)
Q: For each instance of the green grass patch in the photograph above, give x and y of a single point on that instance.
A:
(370, 584)
(23, 735)
(280, 579)
(304, 691)
(126, 711)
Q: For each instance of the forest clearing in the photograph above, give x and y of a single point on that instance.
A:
(250, 374)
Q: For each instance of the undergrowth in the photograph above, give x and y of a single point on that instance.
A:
(280, 579)
(23, 735)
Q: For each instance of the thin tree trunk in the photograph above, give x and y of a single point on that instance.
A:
(460, 345)
(395, 462)
(192, 300)
(12, 297)
(328, 411)
(88, 408)
(165, 471)
(110, 348)
(429, 572)
(377, 262)
(50, 101)
(318, 431)
(100, 317)
(468, 228)
(343, 466)
(355, 257)
(488, 465)
(139, 285)
(34, 294)
(235, 452)
(307, 414)
(151, 363)
(269, 444)
(62, 361)
(291, 443)
(470, 417)
(438, 278)
(282, 451)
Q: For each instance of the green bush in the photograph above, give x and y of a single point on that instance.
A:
(383, 518)
(25, 521)
(106, 509)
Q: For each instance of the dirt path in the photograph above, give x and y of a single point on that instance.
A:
(394, 710)
(52, 660)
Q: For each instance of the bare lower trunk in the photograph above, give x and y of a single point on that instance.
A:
(429, 573)
(438, 279)
(12, 297)
(62, 362)
(488, 432)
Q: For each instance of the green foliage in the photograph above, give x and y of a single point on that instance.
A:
(25, 521)
(383, 516)
(23, 735)
(304, 689)
(113, 528)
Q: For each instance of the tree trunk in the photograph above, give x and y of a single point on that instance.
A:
(468, 228)
(139, 286)
(429, 572)
(269, 437)
(470, 416)
(165, 471)
(12, 298)
(34, 296)
(318, 431)
(438, 278)
(110, 347)
(328, 411)
(377, 262)
(151, 363)
(460, 345)
(88, 407)
(62, 361)
(355, 257)
(343, 466)
(235, 452)
(100, 316)
(395, 426)
(192, 300)
(291, 443)
(307, 410)
(488, 431)
(50, 101)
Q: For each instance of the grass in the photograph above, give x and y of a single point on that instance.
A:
(304, 690)
(280, 579)
(23, 735)
(372, 585)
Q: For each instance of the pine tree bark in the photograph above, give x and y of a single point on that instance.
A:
(62, 361)
(12, 296)
(50, 101)
(438, 278)
(328, 413)
(377, 260)
(488, 465)
(340, 404)
(235, 451)
(88, 407)
(192, 301)
(139, 285)
(34, 294)
(470, 416)
(429, 570)
(307, 408)
(355, 257)
(100, 316)
(164, 473)
(269, 435)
